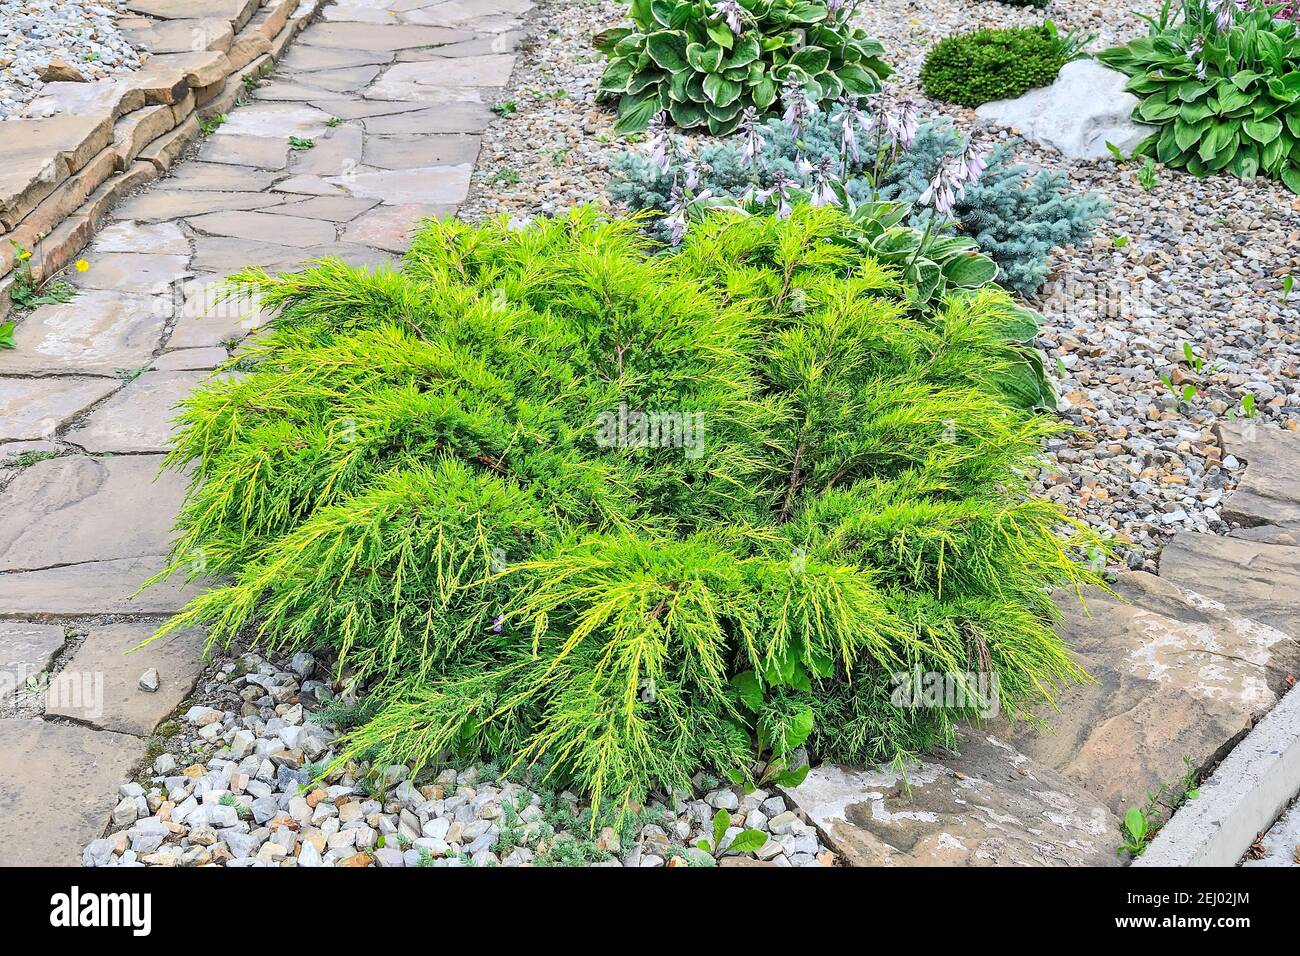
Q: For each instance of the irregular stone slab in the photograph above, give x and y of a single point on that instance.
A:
(307, 186)
(237, 11)
(240, 150)
(138, 273)
(359, 109)
(367, 36)
(1268, 491)
(430, 185)
(351, 13)
(346, 81)
(305, 91)
(990, 806)
(183, 360)
(413, 151)
(287, 230)
(183, 36)
(95, 587)
(456, 12)
(157, 205)
(60, 782)
(506, 41)
(201, 68)
(26, 650)
(327, 208)
(308, 59)
(112, 97)
(222, 255)
(339, 151)
(448, 118)
(1077, 115)
(1261, 578)
(34, 408)
(40, 154)
(208, 319)
(76, 508)
(94, 332)
(128, 235)
(390, 227)
(1175, 675)
(430, 79)
(135, 132)
(139, 417)
(218, 176)
(275, 120)
(108, 662)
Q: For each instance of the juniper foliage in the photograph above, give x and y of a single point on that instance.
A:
(1015, 218)
(412, 472)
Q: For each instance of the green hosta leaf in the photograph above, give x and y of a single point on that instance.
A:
(798, 729)
(687, 114)
(804, 13)
(721, 91)
(1186, 135)
(747, 51)
(668, 49)
(792, 778)
(1195, 112)
(1263, 131)
(607, 40)
(812, 59)
(1274, 155)
(1228, 98)
(635, 112)
(720, 34)
(1243, 79)
(1293, 122)
(1291, 178)
(616, 76)
(1286, 88)
(970, 271)
(763, 93)
(645, 80)
(1155, 110)
(748, 841)
(858, 80)
(1190, 90)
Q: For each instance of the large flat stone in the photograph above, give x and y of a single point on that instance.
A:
(218, 176)
(413, 151)
(60, 784)
(390, 227)
(237, 149)
(326, 208)
(1175, 675)
(1260, 578)
(127, 235)
(184, 36)
(237, 11)
(95, 587)
(139, 417)
(429, 185)
(139, 273)
(207, 319)
(990, 806)
(1268, 491)
(222, 255)
(75, 508)
(368, 36)
(339, 151)
(287, 230)
(275, 120)
(308, 59)
(94, 332)
(34, 408)
(26, 650)
(108, 662)
(429, 80)
(159, 205)
(457, 12)
(448, 118)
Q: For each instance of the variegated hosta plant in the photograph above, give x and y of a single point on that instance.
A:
(1222, 81)
(705, 61)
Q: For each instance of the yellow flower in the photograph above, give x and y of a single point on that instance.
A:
(82, 265)
(24, 255)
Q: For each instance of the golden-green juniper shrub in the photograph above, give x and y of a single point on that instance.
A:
(410, 474)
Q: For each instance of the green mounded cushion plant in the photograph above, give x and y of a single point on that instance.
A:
(971, 69)
(1225, 93)
(559, 501)
(705, 61)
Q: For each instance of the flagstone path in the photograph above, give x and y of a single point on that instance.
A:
(371, 121)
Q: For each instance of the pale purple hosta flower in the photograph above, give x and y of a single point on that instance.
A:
(851, 119)
(661, 142)
(729, 10)
(833, 7)
(1224, 15)
(898, 121)
(677, 212)
(781, 186)
(970, 165)
(751, 137)
(823, 181)
(797, 105)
